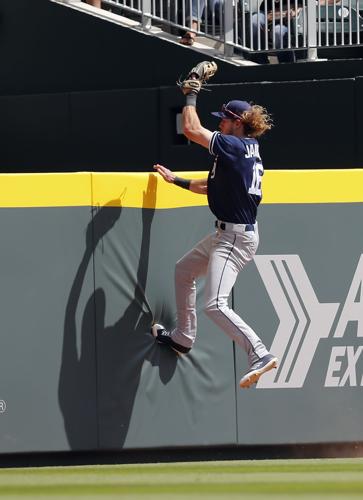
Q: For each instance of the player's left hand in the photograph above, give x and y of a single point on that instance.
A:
(165, 173)
(197, 77)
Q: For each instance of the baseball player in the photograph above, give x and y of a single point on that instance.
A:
(234, 192)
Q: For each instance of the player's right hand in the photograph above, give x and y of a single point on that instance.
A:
(165, 173)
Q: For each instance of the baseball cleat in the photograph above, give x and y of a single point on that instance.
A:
(164, 337)
(262, 366)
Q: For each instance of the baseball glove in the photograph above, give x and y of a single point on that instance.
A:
(197, 77)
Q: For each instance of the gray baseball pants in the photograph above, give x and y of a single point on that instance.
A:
(220, 257)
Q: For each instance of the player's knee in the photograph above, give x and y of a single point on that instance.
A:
(212, 309)
(179, 266)
(209, 311)
(182, 272)
(215, 307)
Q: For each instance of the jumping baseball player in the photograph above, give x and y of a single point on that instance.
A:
(234, 192)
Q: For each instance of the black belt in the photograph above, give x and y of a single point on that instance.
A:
(229, 226)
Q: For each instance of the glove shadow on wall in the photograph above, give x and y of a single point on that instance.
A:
(118, 351)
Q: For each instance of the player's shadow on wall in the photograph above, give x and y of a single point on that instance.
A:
(97, 387)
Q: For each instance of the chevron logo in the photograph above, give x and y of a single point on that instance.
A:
(304, 321)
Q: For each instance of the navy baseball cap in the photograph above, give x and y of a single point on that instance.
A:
(233, 109)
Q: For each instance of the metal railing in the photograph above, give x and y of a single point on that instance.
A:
(254, 26)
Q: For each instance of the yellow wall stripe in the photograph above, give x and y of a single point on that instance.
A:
(45, 190)
(144, 190)
(313, 186)
(149, 190)
(279, 186)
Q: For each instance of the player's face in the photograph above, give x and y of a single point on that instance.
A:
(229, 126)
(226, 126)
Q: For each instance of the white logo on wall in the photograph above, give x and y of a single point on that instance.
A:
(304, 321)
(2, 406)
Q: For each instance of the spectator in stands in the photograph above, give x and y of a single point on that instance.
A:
(94, 3)
(193, 20)
(276, 22)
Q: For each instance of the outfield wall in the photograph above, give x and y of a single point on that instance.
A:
(87, 263)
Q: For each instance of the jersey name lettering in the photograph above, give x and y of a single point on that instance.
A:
(252, 151)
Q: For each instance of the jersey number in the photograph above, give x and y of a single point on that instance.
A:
(213, 172)
(257, 179)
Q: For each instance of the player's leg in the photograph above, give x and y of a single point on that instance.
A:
(190, 267)
(230, 253)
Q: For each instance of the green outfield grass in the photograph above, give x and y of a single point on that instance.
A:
(303, 479)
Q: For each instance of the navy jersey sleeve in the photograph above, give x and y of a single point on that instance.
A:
(224, 144)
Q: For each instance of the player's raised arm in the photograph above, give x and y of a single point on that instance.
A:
(198, 186)
(193, 129)
(191, 87)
